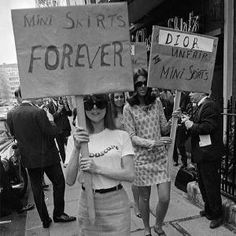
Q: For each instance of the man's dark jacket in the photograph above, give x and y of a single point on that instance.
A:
(61, 118)
(35, 136)
(206, 120)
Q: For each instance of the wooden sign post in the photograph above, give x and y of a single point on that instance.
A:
(173, 130)
(86, 177)
(181, 61)
(77, 50)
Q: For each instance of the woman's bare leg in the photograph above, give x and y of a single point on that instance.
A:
(135, 191)
(163, 203)
(144, 196)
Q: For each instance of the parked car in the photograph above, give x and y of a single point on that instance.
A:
(10, 158)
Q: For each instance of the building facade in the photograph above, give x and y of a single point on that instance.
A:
(9, 80)
(56, 3)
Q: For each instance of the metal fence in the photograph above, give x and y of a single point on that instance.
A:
(228, 167)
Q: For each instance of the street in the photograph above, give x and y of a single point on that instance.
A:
(182, 217)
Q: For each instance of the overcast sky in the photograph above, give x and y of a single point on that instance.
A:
(7, 43)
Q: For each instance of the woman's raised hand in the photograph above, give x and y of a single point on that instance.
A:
(88, 164)
(165, 140)
(80, 136)
(162, 141)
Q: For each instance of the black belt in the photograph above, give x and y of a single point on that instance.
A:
(106, 190)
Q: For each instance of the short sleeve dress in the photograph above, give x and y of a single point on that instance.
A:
(145, 123)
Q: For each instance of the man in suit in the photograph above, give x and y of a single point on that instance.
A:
(35, 137)
(60, 110)
(207, 150)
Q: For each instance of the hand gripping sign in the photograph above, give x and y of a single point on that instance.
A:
(181, 61)
(74, 50)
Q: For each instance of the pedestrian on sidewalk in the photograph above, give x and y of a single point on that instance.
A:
(145, 121)
(207, 150)
(110, 161)
(60, 110)
(35, 135)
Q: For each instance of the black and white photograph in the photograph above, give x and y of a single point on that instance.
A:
(117, 118)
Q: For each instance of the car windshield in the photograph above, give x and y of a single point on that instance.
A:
(5, 136)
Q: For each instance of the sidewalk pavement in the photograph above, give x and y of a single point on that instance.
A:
(182, 217)
(229, 206)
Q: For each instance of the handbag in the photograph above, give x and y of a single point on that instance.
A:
(184, 176)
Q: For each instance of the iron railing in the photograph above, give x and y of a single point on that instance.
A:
(228, 167)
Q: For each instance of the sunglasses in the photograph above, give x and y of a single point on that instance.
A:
(89, 104)
(141, 83)
(119, 97)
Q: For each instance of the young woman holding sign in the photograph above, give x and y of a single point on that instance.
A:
(145, 121)
(110, 161)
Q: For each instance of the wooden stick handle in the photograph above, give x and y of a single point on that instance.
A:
(87, 178)
(173, 131)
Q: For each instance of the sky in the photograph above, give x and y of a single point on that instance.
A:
(7, 41)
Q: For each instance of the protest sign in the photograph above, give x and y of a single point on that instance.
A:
(139, 55)
(181, 60)
(73, 50)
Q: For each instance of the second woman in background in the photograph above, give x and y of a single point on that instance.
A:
(117, 105)
(145, 121)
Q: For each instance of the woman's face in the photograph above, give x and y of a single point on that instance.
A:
(119, 99)
(95, 110)
(155, 92)
(141, 86)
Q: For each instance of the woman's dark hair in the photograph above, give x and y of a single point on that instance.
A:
(108, 121)
(113, 106)
(148, 98)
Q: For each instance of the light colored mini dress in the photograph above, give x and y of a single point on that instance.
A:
(145, 123)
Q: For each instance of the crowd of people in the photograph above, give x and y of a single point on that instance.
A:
(128, 140)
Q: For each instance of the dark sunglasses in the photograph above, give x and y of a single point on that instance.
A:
(119, 96)
(141, 83)
(89, 104)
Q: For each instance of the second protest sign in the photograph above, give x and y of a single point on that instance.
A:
(181, 60)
